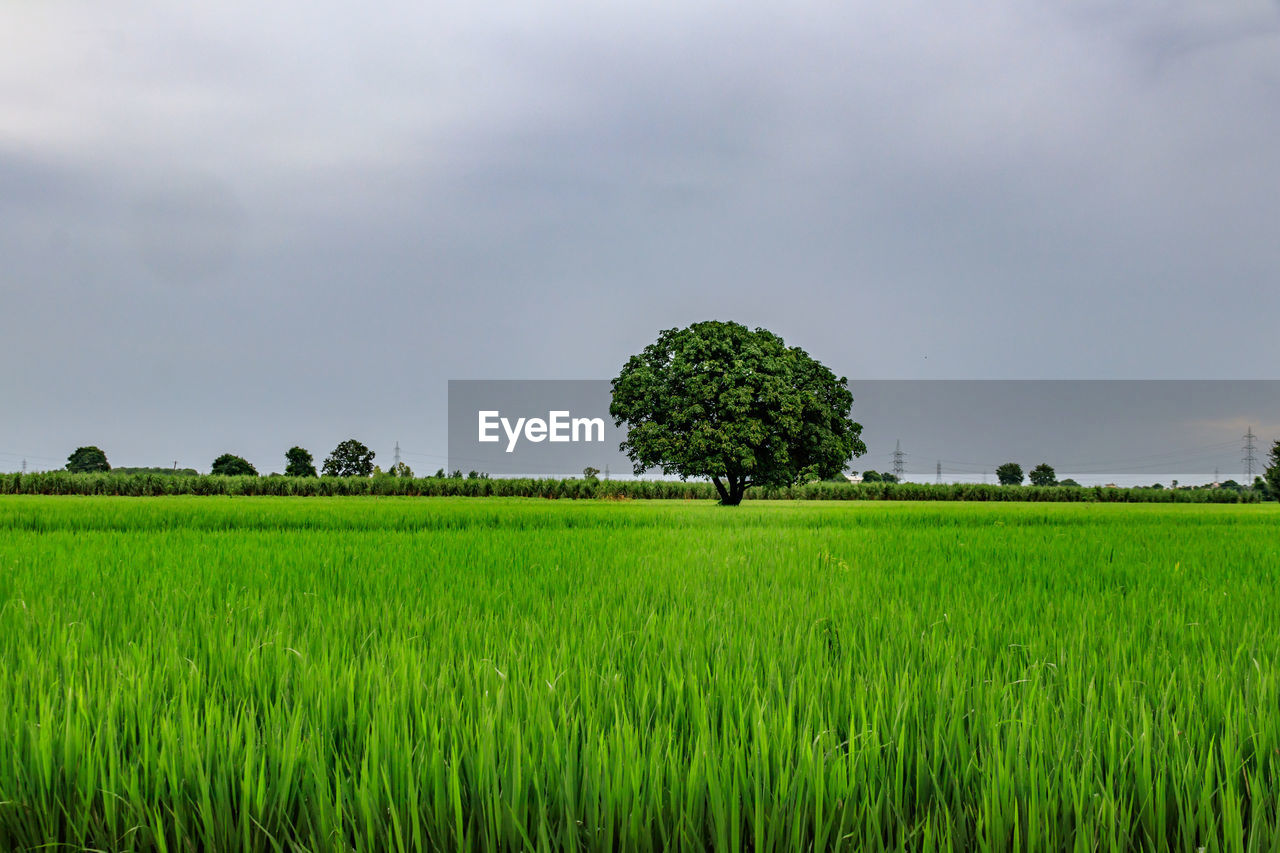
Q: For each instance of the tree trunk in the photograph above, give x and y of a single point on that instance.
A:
(737, 488)
(721, 491)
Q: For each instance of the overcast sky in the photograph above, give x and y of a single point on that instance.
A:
(244, 225)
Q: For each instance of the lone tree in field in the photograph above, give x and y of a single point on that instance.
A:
(299, 463)
(1273, 470)
(230, 465)
(87, 460)
(1044, 475)
(349, 459)
(740, 407)
(1009, 474)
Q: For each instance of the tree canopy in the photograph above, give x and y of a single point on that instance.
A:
(349, 459)
(299, 463)
(737, 406)
(1009, 474)
(1273, 470)
(1044, 475)
(87, 460)
(230, 465)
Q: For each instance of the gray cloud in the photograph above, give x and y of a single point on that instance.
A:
(241, 227)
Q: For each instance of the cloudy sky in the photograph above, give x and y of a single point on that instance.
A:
(241, 226)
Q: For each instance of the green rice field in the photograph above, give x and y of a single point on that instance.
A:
(216, 673)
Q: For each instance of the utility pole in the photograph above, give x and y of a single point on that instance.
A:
(1250, 456)
(899, 461)
(939, 472)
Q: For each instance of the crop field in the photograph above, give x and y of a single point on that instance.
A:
(256, 673)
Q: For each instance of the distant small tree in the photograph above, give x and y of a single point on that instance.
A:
(1009, 474)
(590, 473)
(457, 474)
(1043, 475)
(1069, 482)
(299, 463)
(439, 474)
(1273, 470)
(886, 477)
(477, 475)
(87, 460)
(400, 469)
(870, 477)
(349, 459)
(1230, 484)
(230, 465)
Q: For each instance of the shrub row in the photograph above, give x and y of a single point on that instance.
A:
(150, 485)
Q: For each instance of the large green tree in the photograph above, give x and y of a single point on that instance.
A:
(1044, 475)
(349, 459)
(230, 465)
(87, 460)
(1009, 474)
(299, 463)
(737, 406)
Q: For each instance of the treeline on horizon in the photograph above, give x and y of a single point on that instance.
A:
(114, 483)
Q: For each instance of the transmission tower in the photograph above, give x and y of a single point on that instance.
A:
(939, 472)
(1250, 456)
(899, 461)
(396, 466)
(24, 466)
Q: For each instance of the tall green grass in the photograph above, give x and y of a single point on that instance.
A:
(267, 674)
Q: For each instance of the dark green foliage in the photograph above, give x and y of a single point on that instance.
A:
(590, 473)
(230, 465)
(299, 463)
(149, 485)
(1009, 474)
(739, 407)
(349, 459)
(400, 469)
(87, 460)
(1273, 471)
(1069, 482)
(1043, 475)
(870, 477)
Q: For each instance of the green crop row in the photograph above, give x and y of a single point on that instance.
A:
(147, 485)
